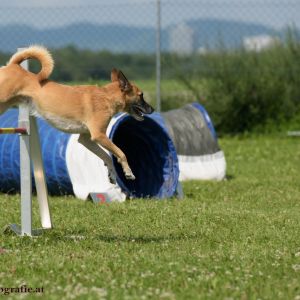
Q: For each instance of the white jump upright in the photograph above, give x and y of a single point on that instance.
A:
(30, 155)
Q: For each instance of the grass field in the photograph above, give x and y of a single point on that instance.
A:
(237, 239)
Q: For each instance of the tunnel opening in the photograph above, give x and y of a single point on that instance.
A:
(151, 156)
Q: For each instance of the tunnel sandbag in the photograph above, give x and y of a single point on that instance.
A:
(151, 155)
(88, 173)
(196, 143)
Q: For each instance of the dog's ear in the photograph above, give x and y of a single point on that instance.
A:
(117, 75)
(114, 75)
(125, 85)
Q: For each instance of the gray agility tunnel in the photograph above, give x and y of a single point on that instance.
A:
(196, 143)
(163, 149)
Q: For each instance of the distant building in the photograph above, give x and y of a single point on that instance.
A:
(259, 42)
(202, 50)
(182, 39)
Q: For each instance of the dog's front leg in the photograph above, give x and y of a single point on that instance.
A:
(105, 142)
(85, 140)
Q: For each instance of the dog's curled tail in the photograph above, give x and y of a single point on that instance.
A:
(38, 52)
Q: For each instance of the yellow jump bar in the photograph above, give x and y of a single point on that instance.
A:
(13, 130)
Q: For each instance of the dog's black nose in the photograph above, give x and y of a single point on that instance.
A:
(149, 109)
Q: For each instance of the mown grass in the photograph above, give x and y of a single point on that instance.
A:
(236, 239)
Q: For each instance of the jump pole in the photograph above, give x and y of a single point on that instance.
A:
(30, 151)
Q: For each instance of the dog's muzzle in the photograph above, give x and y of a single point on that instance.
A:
(139, 110)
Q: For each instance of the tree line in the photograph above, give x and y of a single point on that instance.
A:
(73, 64)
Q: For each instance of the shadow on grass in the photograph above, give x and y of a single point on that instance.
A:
(145, 239)
(108, 238)
(229, 177)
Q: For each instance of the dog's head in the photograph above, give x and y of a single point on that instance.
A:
(135, 104)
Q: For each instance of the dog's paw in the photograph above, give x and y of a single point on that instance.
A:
(129, 175)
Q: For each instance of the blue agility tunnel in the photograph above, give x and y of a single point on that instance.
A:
(71, 168)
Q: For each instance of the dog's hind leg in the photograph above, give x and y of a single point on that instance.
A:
(85, 140)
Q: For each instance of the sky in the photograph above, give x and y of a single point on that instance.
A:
(55, 13)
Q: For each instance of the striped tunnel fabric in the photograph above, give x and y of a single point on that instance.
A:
(10, 130)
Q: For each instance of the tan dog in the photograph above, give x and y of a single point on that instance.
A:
(82, 109)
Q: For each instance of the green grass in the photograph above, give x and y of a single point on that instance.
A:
(237, 239)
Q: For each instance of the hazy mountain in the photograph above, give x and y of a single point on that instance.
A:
(119, 38)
